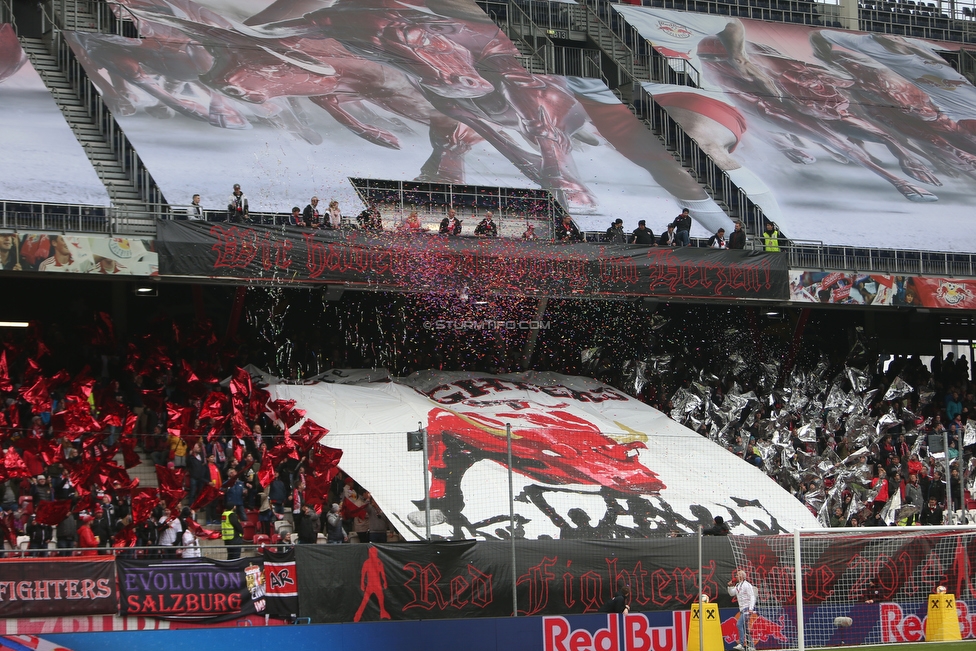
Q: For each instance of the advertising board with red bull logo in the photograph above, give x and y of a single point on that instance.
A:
(883, 623)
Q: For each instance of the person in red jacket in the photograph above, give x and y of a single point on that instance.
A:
(87, 541)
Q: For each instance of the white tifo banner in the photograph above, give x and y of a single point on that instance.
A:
(590, 461)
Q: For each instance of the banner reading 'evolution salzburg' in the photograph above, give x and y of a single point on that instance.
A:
(199, 590)
(435, 263)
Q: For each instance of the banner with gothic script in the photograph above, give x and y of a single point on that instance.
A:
(343, 583)
(427, 262)
(200, 589)
(43, 588)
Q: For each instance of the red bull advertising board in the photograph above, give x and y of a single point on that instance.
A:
(882, 623)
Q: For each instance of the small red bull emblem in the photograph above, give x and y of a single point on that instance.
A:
(761, 629)
(673, 29)
(953, 293)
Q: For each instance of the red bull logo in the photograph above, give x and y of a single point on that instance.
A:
(634, 634)
(765, 630)
(762, 629)
(674, 29)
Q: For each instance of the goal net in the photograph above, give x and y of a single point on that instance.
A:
(858, 586)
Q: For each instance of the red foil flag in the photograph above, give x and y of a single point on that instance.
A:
(51, 513)
(206, 495)
(144, 500)
(13, 466)
(5, 384)
(200, 532)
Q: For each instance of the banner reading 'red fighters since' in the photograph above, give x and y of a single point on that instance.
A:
(434, 263)
(199, 590)
(67, 587)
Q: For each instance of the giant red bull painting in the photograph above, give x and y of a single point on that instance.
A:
(826, 129)
(588, 461)
(291, 99)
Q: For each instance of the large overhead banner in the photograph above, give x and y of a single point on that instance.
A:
(448, 264)
(41, 159)
(291, 99)
(841, 136)
(588, 461)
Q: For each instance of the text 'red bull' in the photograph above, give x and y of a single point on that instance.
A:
(635, 634)
(896, 626)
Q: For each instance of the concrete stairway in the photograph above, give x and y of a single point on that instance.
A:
(78, 17)
(121, 188)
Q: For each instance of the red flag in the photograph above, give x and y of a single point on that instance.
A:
(179, 420)
(323, 466)
(266, 474)
(172, 497)
(169, 479)
(33, 463)
(239, 425)
(207, 494)
(352, 510)
(213, 405)
(144, 501)
(240, 387)
(13, 466)
(38, 395)
(51, 513)
(5, 384)
(308, 435)
(317, 489)
(285, 412)
(130, 457)
(153, 398)
(125, 538)
(200, 532)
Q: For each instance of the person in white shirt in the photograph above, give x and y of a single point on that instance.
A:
(191, 545)
(717, 241)
(195, 210)
(745, 594)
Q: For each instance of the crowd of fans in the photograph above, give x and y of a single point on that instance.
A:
(314, 217)
(69, 438)
(850, 438)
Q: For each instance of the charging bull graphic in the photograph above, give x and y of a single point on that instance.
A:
(588, 462)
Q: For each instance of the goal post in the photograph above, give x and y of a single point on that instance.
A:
(840, 587)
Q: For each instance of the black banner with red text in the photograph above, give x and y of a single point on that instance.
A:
(342, 583)
(44, 588)
(427, 262)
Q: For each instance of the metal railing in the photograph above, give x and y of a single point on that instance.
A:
(824, 257)
(7, 13)
(45, 217)
(208, 549)
(627, 47)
